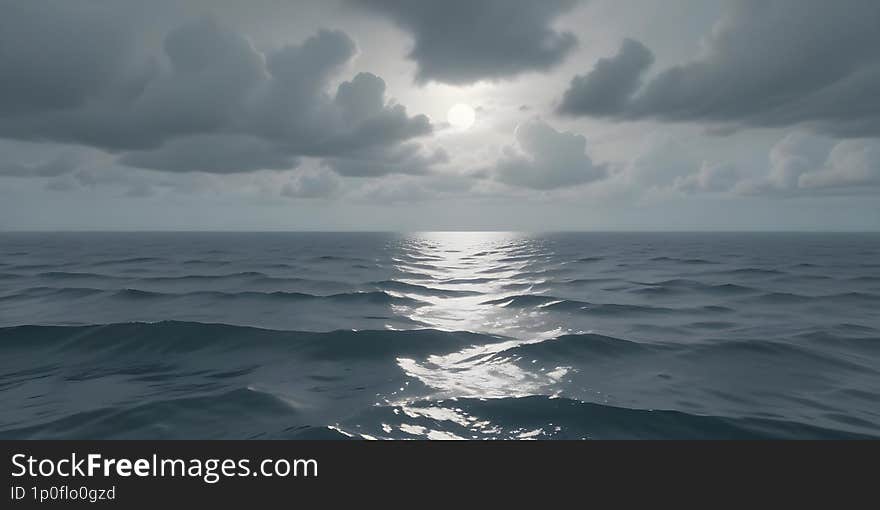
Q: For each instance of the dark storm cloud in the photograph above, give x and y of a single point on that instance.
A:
(611, 83)
(208, 101)
(464, 41)
(56, 55)
(546, 159)
(368, 121)
(766, 63)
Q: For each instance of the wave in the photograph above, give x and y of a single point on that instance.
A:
(588, 347)
(541, 417)
(825, 339)
(192, 376)
(519, 258)
(523, 300)
(725, 351)
(610, 309)
(253, 414)
(570, 347)
(241, 413)
(202, 262)
(399, 286)
(336, 258)
(168, 336)
(74, 275)
(129, 260)
(475, 281)
(713, 325)
(869, 279)
(367, 297)
(38, 267)
(745, 272)
(780, 298)
(683, 260)
(576, 282)
(81, 275)
(855, 298)
(685, 285)
(206, 277)
(177, 336)
(42, 292)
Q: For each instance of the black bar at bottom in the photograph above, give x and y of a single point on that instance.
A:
(265, 471)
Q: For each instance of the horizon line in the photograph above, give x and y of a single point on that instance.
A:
(416, 231)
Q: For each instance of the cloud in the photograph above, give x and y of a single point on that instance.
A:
(611, 83)
(366, 121)
(661, 165)
(463, 41)
(311, 184)
(408, 188)
(545, 159)
(851, 163)
(658, 161)
(794, 156)
(215, 153)
(60, 165)
(394, 190)
(774, 63)
(62, 184)
(57, 55)
(801, 164)
(141, 190)
(405, 159)
(93, 173)
(209, 102)
(710, 178)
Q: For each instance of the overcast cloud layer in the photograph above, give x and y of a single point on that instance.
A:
(211, 103)
(462, 41)
(305, 114)
(765, 63)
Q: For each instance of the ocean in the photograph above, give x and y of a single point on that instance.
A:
(440, 335)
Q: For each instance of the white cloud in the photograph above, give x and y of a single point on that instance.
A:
(544, 158)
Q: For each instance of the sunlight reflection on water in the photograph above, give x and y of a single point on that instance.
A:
(474, 270)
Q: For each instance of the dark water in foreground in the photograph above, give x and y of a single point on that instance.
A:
(439, 335)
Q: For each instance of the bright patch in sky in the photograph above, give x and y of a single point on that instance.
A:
(461, 116)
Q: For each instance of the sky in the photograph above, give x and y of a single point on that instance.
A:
(335, 115)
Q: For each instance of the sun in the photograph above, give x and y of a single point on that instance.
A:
(461, 116)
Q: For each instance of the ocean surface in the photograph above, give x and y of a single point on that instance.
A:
(439, 335)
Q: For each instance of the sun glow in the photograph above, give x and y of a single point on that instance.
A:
(461, 116)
